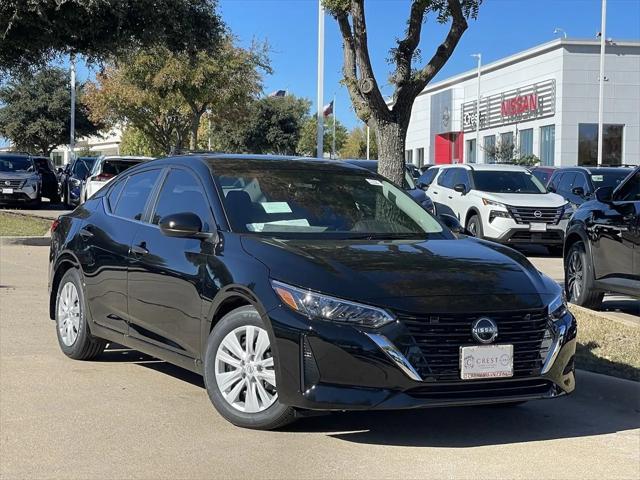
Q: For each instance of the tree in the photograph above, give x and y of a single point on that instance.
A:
(164, 95)
(36, 109)
(275, 124)
(134, 142)
(36, 31)
(307, 143)
(507, 152)
(391, 121)
(355, 145)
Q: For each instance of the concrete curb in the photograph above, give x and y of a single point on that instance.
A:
(576, 309)
(30, 241)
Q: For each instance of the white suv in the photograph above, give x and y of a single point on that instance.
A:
(503, 203)
(106, 169)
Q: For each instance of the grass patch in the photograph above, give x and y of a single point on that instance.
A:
(12, 225)
(607, 346)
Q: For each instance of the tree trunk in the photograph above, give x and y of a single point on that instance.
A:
(193, 131)
(391, 138)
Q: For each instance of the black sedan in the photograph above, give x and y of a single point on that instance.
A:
(297, 285)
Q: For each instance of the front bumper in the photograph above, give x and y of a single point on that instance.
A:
(507, 231)
(326, 366)
(24, 194)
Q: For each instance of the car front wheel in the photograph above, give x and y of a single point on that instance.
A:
(579, 278)
(474, 226)
(239, 372)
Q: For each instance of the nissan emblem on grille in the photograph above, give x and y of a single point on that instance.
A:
(484, 330)
(7, 182)
(537, 214)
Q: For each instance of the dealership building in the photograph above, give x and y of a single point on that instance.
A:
(542, 102)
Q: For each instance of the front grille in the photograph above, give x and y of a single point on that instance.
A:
(536, 214)
(11, 183)
(484, 390)
(434, 341)
(523, 236)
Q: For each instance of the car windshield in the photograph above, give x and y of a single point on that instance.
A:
(609, 179)
(319, 203)
(10, 163)
(114, 167)
(506, 181)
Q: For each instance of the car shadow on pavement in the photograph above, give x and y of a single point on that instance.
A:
(596, 408)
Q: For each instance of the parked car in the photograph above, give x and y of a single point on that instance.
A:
(578, 184)
(50, 186)
(427, 177)
(543, 173)
(298, 285)
(409, 184)
(104, 170)
(72, 177)
(413, 170)
(20, 182)
(503, 203)
(602, 251)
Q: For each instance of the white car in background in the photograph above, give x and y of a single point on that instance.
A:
(105, 169)
(502, 203)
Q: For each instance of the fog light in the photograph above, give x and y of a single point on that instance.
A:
(310, 371)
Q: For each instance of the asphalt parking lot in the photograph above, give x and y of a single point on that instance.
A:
(130, 416)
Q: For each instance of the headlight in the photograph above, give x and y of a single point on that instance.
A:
(486, 201)
(324, 307)
(568, 211)
(493, 214)
(558, 307)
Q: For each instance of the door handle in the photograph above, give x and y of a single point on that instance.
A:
(435, 193)
(85, 233)
(139, 249)
(450, 197)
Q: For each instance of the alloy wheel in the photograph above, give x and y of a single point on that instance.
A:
(574, 275)
(244, 369)
(69, 314)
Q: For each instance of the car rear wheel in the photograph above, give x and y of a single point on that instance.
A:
(579, 278)
(239, 372)
(74, 337)
(474, 226)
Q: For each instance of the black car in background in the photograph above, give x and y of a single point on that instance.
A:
(72, 177)
(578, 184)
(408, 184)
(50, 186)
(295, 285)
(543, 173)
(602, 244)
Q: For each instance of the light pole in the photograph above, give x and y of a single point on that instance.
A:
(320, 100)
(477, 149)
(603, 41)
(560, 30)
(368, 137)
(72, 124)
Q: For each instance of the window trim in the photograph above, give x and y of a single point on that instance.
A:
(145, 212)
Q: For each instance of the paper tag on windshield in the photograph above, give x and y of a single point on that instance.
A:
(276, 207)
(597, 178)
(375, 182)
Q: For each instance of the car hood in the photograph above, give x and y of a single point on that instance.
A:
(17, 175)
(407, 274)
(526, 199)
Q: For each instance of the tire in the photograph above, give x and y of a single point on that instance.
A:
(55, 199)
(231, 400)
(579, 280)
(72, 329)
(474, 227)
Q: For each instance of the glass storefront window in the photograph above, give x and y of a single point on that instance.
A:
(408, 156)
(588, 144)
(547, 145)
(506, 138)
(471, 151)
(420, 156)
(526, 142)
(489, 149)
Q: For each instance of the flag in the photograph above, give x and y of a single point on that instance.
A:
(278, 93)
(328, 109)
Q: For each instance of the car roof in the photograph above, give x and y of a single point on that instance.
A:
(125, 157)
(487, 167)
(274, 162)
(592, 170)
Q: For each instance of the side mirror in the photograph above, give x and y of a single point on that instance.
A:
(460, 188)
(451, 223)
(183, 225)
(578, 191)
(604, 194)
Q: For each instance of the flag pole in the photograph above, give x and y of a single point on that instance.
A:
(333, 146)
(320, 101)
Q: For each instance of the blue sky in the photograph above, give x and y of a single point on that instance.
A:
(503, 27)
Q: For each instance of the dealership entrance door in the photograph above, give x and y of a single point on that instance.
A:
(449, 148)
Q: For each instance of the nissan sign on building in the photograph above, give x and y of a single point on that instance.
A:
(541, 103)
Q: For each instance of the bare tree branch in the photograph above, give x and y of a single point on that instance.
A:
(406, 47)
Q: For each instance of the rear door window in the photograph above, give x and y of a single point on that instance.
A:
(135, 194)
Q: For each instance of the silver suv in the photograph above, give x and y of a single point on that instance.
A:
(20, 182)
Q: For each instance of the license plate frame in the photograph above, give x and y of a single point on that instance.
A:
(537, 227)
(486, 361)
